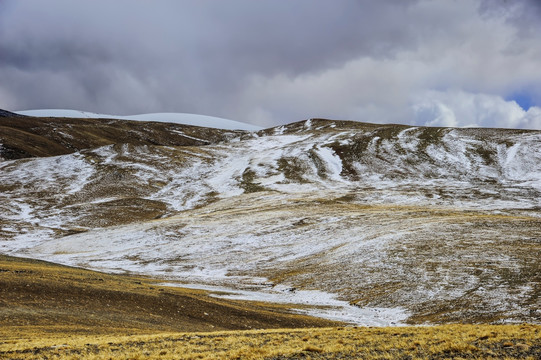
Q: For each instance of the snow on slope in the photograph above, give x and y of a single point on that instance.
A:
(397, 221)
(177, 118)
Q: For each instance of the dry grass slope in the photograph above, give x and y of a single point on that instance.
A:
(40, 299)
(49, 311)
(25, 136)
(441, 342)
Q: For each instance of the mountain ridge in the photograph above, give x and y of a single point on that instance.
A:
(26, 136)
(174, 118)
(5, 113)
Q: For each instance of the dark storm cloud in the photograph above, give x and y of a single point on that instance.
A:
(254, 61)
(183, 52)
(525, 15)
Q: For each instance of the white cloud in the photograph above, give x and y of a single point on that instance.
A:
(458, 73)
(458, 108)
(433, 113)
(532, 118)
(375, 91)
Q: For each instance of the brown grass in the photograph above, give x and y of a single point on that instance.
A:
(441, 342)
(49, 311)
(23, 137)
(40, 299)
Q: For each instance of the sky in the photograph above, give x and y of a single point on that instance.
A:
(270, 62)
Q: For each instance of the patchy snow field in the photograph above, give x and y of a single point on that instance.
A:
(373, 225)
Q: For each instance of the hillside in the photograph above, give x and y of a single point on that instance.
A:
(28, 136)
(39, 299)
(174, 118)
(367, 223)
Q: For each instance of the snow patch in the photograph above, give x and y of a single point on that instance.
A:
(333, 163)
(314, 302)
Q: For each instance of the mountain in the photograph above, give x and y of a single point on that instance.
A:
(175, 118)
(368, 223)
(4, 113)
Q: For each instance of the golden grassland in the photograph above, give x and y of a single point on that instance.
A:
(49, 311)
(439, 342)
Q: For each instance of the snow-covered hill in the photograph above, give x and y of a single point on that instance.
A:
(379, 224)
(176, 118)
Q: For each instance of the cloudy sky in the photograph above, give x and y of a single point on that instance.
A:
(268, 62)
